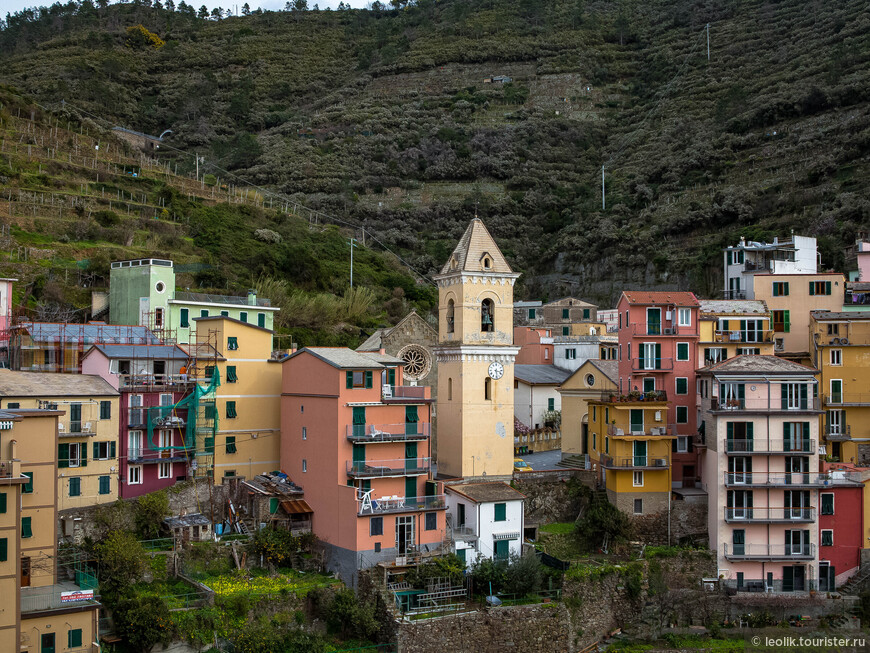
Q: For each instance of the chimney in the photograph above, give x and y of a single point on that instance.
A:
(252, 297)
(382, 351)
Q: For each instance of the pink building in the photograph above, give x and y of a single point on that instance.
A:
(536, 345)
(841, 526)
(658, 338)
(358, 440)
(154, 450)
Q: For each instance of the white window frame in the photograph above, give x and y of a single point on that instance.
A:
(164, 439)
(164, 470)
(108, 446)
(304, 466)
(682, 444)
(304, 432)
(131, 437)
(835, 425)
(571, 354)
(649, 362)
(836, 357)
(688, 351)
(676, 386)
(822, 536)
(677, 414)
(75, 460)
(684, 313)
(134, 475)
(166, 399)
(637, 479)
(793, 395)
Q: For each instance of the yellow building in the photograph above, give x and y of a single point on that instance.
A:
(475, 359)
(87, 431)
(631, 450)
(593, 380)
(791, 298)
(841, 352)
(248, 399)
(734, 327)
(43, 609)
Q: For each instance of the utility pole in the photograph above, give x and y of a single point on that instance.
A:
(352, 243)
(603, 202)
(196, 156)
(708, 41)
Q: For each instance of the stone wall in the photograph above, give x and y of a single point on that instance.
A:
(525, 629)
(688, 521)
(552, 496)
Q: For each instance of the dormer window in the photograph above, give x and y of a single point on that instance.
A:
(487, 313)
(487, 263)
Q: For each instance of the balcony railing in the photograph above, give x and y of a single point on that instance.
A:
(755, 551)
(53, 597)
(635, 462)
(639, 364)
(762, 404)
(137, 417)
(388, 432)
(847, 399)
(790, 479)
(838, 432)
(747, 337)
(742, 447)
(666, 329)
(633, 397)
(777, 585)
(734, 294)
(394, 504)
(128, 380)
(406, 393)
(10, 468)
(770, 515)
(636, 429)
(394, 467)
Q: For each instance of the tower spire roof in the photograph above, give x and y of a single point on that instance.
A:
(476, 252)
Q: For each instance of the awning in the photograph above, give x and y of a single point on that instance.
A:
(5, 425)
(296, 507)
(506, 536)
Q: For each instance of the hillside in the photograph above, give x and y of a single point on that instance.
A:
(74, 198)
(384, 119)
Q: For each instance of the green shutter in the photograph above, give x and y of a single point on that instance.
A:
(585, 313)
(96, 453)
(348, 380)
(827, 504)
(83, 451)
(2, 503)
(551, 404)
(786, 318)
(658, 356)
(827, 287)
(231, 444)
(231, 374)
(75, 486)
(369, 382)
(63, 455)
(26, 529)
(501, 512)
(203, 312)
(261, 320)
(243, 316)
(730, 436)
(74, 638)
(232, 343)
(750, 435)
(783, 389)
(730, 258)
(812, 288)
(105, 484)
(28, 487)
(531, 313)
(775, 289)
(105, 410)
(391, 376)
(803, 395)
(111, 450)
(4, 549)
(682, 386)
(185, 318)
(231, 409)
(566, 313)
(359, 414)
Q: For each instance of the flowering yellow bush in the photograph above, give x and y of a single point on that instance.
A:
(238, 584)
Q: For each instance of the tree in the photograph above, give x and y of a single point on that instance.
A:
(170, 5)
(524, 575)
(300, 5)
(246, 9)
(122, 561)
(602, 519)
(203, 13)
(151, 510)
(142, 622)
(217, 13)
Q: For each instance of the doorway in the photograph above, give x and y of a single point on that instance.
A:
(404, 534)
(25, 571)
(47, 644)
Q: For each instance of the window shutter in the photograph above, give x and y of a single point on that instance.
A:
(111, 450)
(63, 455)
(500, 512)
(359, 415)
(658, 356)
(783, 388)
(2, 502)
(730, 435)
(674, 447)
(786, 317)
(26, 529)
(83, 450)
(741, 391)
(368, 378)
(28, 487)
(806, 435)
(812, 288)
(786, 436)
(803, 394)
(827, 287)
(185, 318)
(4, 549)
(348, 378)
(750, 433)
(96, 450)
(776, 290)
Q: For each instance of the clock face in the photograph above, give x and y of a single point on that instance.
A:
(496, 370)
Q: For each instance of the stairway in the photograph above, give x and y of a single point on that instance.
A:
(573, 462)
(857, 583)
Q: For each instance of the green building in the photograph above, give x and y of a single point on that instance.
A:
(142, 292)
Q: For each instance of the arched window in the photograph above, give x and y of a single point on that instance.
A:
(450, 313)
(487, 389)
(486, 315)
(487, 263)
(449, 389)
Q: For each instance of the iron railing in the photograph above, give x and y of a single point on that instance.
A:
(760, 336)
(394, 467)
(790, 479)
(636, 429)
(406, 392)
(363, 433)
(635, 462)
(838, 432)
(804, 551)
(769, 514)
(654, 364)
(762, 404)
(402, 504)
(669, 328)
(847, 399)
(769, 586)
(745, 446)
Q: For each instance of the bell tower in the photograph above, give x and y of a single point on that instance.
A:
(476, 359)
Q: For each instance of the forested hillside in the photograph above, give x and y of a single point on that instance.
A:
(385, 118)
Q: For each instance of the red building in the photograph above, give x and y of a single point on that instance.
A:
(658, 338)
(536, 345)
(841, 526)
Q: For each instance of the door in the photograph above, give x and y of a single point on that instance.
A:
(835, 422)
(134, 449)
(75, 418)
(650, 356)
(460, 515)
(797, 470)
(501, 549)
(788, 579)
(738, 542)
(739, 470)
(411, 489)
(740, 502)
(404, 534)
(797, 504)
(836, 391)
(411, 462)
(411, 420)
(359, 457)
(799, 578)
(136, 416)
(47, 643)
(636, 420)
(584, 438)
(640, 459)
(797, 542)
(359, 421)
(649, 384)
(25, 571)
(653, 321)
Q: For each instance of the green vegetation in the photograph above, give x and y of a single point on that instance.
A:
(559, 528)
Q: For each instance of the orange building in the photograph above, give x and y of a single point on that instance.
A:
(358, 441)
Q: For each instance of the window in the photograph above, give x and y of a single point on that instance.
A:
(487, 313)
(231, 444)
(71, 455)
(595, 442)
(431, 521)
(26, 528)
(836, 357)
(376, 526)
(780, 288)
(261, 320)
(682, 385)
(682, 414)
(105, 484)
(304, 465)
(243, 316)
(546, 358)
(500, 512)
(450, 389)
(566, 313)
(833, 329)
(4, 549)
(134, 475)
(28, 487)
(684, 317)
(231, 409)
(3, 496)
(794, 396)
(531, 313)
(232, 343)
(203, 312)
(827, 538)
(571, 354)
(713, 355)
(594, 413)
(75, 418)
(487, 389)
(585, 313)
(551, 404)
(231, 374)
(638, 506)
(304, 432)
(748, 351)
(606, 445)
(164, 470)
(74, 638)
(14, 405)
(105, 410)
(682, 351)
(209, 372)
(781, 321)
(358, 379)
(682, 444)
(75, 486)
(637, 479)
(827, 503)
(225, 313)
(566, 331)
(820, 287)
(185, 318)
(134, 446)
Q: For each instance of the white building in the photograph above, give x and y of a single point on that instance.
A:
(570, 352)
(535, 392)
(796, 255)
(485, 519)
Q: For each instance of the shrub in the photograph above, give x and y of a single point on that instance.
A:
(150, 511)
(142, 622)
(139, 37)
(107, 218)
(448, 566)
(488, 575)
(122, 562)
(602, 519)
(523, 575)
(277, 546)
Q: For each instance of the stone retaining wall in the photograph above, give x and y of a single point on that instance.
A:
(550, 495)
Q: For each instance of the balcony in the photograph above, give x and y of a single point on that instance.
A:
(762, 404)
(847, 399)
(635, 462)
(637, 429)
(151, 380)
(760, 552)
(10, 472)
(667, 329)
(768, 447)
(148, 457)
(770, 515)
(76, 429)
(56, 597)
(838, 432)
(764, 586)
(788, 479)
(406, 394)
(137, 418)
(652, 364)
(385, 505)
(734, 294)
(634, 397)
(371, 433)
(744, 337)
(394, 467)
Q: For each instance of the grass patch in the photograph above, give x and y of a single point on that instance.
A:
(558, 528)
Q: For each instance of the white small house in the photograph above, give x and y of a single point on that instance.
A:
(486, 519)
(535, 393)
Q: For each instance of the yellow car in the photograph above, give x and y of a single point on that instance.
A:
(521, 465)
